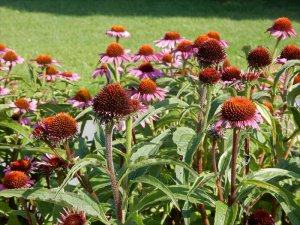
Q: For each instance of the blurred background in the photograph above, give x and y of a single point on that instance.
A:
(73, 31)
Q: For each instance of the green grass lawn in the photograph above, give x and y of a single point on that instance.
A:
(72, 31)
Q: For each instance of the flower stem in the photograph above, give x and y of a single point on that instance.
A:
(232, 196)
(247, 153)
(275, 48)
(118, 79)
(7, 76)
(110, 164)
(23, 202)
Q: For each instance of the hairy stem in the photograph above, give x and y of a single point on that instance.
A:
(23, 202)
(247, 153)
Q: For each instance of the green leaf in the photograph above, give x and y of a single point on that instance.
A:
(78, 201)
(181, 137)
(293, 94)
(18, 128)
(225, 215)
(296, 115)
(82, 113)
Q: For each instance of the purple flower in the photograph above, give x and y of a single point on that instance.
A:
(118, 31)
(170, 40)
(146, 70)
(11, 58)
(282, 28)
(23, 105)
(115, 53)
(146, 53)
(101, 71)
(69, 76)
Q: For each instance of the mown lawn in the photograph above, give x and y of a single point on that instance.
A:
(72, 31)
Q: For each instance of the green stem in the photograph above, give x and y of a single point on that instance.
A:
(248, 90)
(275, 48)
(44, 77)
(118, 79)
(208, 105)
(128, 138)
(7, 76)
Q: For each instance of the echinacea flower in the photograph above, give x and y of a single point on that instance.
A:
(72, 217)
(259, 58)
(167, 58)
(118, 31)
(146, 53)
(51, 73)
(26, 165)
(4, 91)
(11, 58)
(112, 102)
(185, 49)
(101, 71)
(282, 28)
(170, 40)
(250, 76)
(52, 162)
(21, 119)
(146, 70)
(209, 76)
(226, 63)
(3, 48)
(148, 91)
(69, 76)
(231, 74)
(24, 105)
(115, 53)
(261, 217)
(45, 60)
(16, 180)
(210, 52)
(216, 132)
(82, 99)
(40, 129)
(200, 39)
(239, 112)
(2, 68)
(215, 35)
(290, 52)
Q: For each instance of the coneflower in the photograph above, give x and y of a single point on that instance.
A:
(282, 28)
(171, 39)
(118, 31)
(231, 74)
(259, 58)
(81, 99)
(210, 52)
(261, 217)
(72, 217)
(16, 180)
(146, 70)
(209, 76)
(145, 53)
(45, 60)
(290, 52)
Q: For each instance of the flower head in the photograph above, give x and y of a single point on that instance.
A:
(282, 28)
(239, 112)
(231, 73)
(11, 58)
(100, 71)
(72, 217)
(52, 162)
(290, 52)
(146, 70)
(216, 132)
(259, 58)
(45, 60)
(210, 52)
(3, 48)
(261, 217)
(112, 102)
(250, 76)
(166, 57)
(51, 73)
(69, 76)
(209, 76)
(226, 63)
(16, 180)
(24, 105)
(148, 91)
(185, 49)
(26, 165)
(118, 31)
(215, 35)
(21, 119)
(115, 53)
(200, 39)
(82, 98)
(170, 40)
(146, 53)
(4, 91)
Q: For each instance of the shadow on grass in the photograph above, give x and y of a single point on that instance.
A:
(234, 9)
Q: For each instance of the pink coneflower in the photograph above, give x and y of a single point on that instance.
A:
(146, 70)
(185, 49)
(51, 73)
(3, 48)
(26, 165)
(115, 53)
(215, 35)
(170, 40)
(146, 53)
(200, 39)
(69, 76)
(2, 68)
(290, 52)
(282, 28)
(24, 105)
(52, 162)
(167, 58)
(4, 91)
(118, 31)
(148, 91)
(16, 180)
(231, 74)
(261, 217)
(82, 99)
(210, 52)
(101, 71)
(259, 58)
(21, 119)
(45, 60)
(209, 76)
(11, 58)
(250, 76)
(72, 217)
(239, 112)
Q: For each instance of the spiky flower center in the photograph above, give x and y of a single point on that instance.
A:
(209, 76)
(136, 105)
(226, 63)
(167, 58)
(67, 74)
(200, 39)
(44, 59)
(15, 179)
(21, 165)
(211, 52)
(290, 52)
(261, 217)
(2, 46)
(146, 67)
(118, 28)
(50, 70)
(214, 35)
(103, 66)
(146, 50)
(172, 35)
(74, 219)
(184, 46)
(282, 24)
(231, 73)
(238, 109)
(147, 86)
(259, 57)
(56, 162)
(114, 50)
(22, 103)
(83, 95)
(10, 56)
